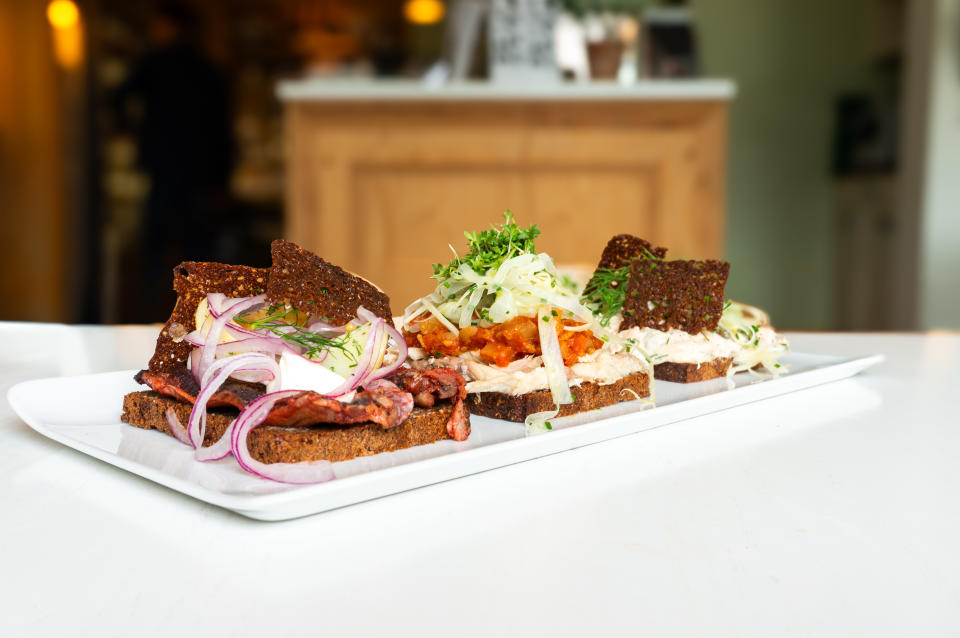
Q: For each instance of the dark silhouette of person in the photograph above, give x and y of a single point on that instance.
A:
(185, 145)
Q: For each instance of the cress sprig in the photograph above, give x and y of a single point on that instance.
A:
(606, 292)
(490, 248)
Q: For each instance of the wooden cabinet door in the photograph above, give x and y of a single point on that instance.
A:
(387, 190)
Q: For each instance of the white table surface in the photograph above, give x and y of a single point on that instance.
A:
(834, 511)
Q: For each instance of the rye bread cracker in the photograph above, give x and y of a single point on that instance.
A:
(621, 250)
(686, 295)
(193, 281)
(313, 285)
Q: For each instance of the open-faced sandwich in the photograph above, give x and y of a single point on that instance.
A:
(290, 368)
(675, 311)
(528, 348)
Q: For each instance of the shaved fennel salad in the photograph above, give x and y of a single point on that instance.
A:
(750, 328)
(501, 278)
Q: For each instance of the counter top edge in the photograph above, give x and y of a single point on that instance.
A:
(323, 90)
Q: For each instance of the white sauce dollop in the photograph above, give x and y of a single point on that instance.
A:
(678, 346)
(297, 373)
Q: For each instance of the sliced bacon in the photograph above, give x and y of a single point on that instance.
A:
(438, 383)
(180, 385)
(385, 406)
(386, 403)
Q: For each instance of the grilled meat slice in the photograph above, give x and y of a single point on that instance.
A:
(180, 385)
(438, 383)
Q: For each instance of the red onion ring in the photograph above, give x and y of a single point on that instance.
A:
(297, 473)
(401, 354)
(322, 326)
(209, 349)
(364, 365)
(195, 362)
(194, 338)
(215, 376)
(366, 315)
(177, 428)
(216, 301)
(218, 450)
(259, 343)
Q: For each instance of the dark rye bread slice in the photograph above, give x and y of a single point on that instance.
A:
(692, 372)
(686, 295)
(296, 276)
(275, 444)
(193, 281)
(313, 285)
(621, 250)
(587, 396)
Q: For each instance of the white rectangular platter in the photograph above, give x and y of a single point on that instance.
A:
(86, 416)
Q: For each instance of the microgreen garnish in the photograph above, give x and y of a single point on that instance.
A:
(606, 292)
(490, 248)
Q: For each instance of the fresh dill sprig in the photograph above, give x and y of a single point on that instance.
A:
(280, 318)
(490, 248)
(606, 292)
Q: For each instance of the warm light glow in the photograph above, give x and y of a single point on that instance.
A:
(424, 11)
(63, 14)
(64, 17)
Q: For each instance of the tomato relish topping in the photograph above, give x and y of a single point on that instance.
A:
(500, 343)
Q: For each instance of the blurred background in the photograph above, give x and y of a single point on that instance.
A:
(815, 145)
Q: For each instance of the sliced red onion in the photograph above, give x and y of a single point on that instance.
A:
(324, 327)
(297, 473)
(195, 363)
(401, 355)
(215, 306)
(177, 428)
(215, 376)
(229, 311)
(194, 338)
(259, 343)
(218, 450)
(239, 331)
(364, 365)
(366, 315)
(218, 303)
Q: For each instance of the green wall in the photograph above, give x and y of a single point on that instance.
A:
(789, 60)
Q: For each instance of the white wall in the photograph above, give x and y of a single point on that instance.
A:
(790, 61)
(940, 226)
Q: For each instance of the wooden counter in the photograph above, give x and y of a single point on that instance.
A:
(380, 179)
